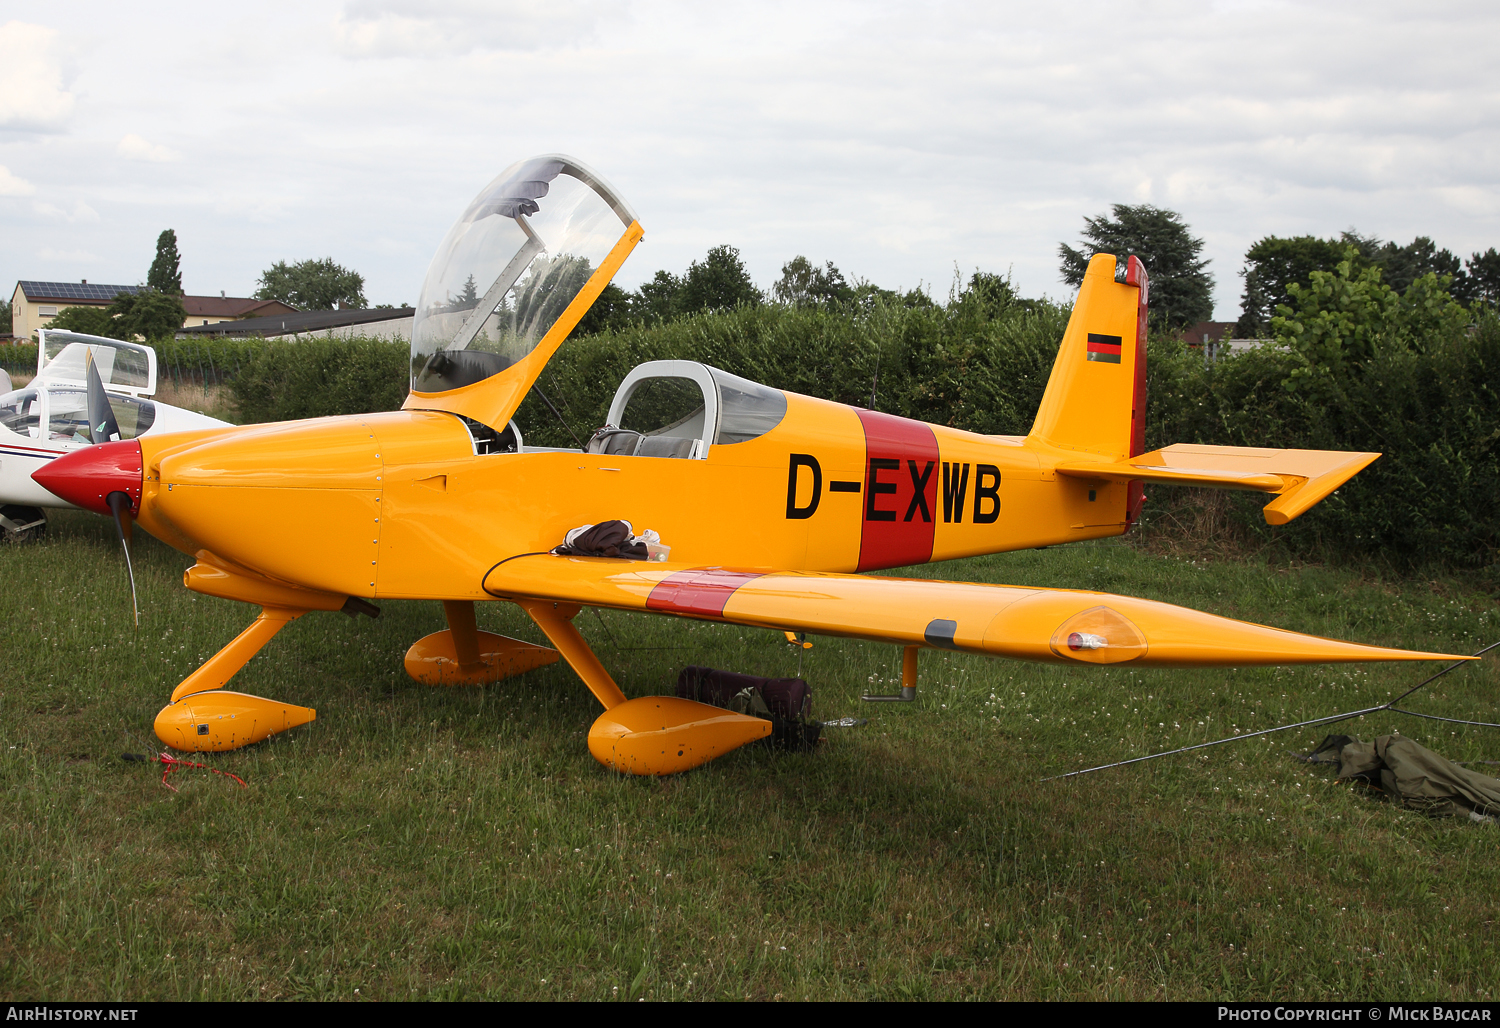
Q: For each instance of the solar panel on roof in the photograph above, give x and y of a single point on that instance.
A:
(74, 290)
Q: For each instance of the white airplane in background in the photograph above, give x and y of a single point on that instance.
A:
(48, 416)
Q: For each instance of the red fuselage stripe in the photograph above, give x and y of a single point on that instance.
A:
(897, 525)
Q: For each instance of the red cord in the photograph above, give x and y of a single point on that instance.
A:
(173, 764)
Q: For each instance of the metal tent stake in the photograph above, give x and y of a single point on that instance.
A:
(1391, 705)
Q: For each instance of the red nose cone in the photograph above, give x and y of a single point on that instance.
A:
(85, 477)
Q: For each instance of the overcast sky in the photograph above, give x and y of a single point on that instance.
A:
(898, 140)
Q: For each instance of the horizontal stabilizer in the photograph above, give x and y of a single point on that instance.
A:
(1299, 478)
(1059, 626)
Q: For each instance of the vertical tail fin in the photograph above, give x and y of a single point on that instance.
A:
(1096, 396)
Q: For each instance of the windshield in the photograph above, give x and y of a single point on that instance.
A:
(666, 406)
(68, 415)
(121, 365)
(519, 255)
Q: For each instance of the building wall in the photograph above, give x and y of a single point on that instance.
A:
(26, 316)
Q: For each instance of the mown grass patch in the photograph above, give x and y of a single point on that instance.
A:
(424, 843)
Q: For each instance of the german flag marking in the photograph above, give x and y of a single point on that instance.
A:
(1105, 349)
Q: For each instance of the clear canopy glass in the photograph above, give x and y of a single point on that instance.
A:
(747, 410)
(121, 364)
(508, 268)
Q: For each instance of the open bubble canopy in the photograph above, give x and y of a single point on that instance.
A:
(517, 257)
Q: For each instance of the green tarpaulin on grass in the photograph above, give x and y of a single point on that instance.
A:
(1417, 777)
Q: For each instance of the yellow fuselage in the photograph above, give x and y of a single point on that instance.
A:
(398, 506)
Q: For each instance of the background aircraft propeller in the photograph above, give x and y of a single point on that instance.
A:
(103, 428)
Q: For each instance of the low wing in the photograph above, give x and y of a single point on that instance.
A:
(1061, 626)
(1299, 478)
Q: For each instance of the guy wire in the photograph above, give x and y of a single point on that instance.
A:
(1391, 705)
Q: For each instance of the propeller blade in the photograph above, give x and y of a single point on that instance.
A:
(103, 428)
(119, 506)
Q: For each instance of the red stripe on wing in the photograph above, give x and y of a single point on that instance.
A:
(701, 591)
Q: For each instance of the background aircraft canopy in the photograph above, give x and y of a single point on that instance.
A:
(63, 358)
(520, 253)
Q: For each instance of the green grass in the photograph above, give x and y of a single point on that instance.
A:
(416, 842)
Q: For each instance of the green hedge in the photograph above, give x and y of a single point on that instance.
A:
(1433, 412)
(19, 357)
(204, 361)
(284, 381)
(960, 365)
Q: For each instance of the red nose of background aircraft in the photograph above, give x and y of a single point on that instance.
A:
(86, 477)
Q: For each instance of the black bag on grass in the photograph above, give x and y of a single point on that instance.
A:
(785, 702)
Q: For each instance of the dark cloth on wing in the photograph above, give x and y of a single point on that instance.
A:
(606, 539)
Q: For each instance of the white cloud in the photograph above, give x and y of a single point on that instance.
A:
(452, 28)
(134, 148)
(81, 213)
(895, 139)
(47, 253)
(14, 185)
(31, 78)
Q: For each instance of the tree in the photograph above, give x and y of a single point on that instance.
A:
(90, 321)
(547, 289)
(1272, 265)
(1400, 266)
(468, 297)
(150, 314)
(1181, 290)
(658, 300)
(992, 295)
(804, 284)
(718, 282)
(1483, 279)
(1342, 318)
(610, 311)
(165, 275)
(312, 285)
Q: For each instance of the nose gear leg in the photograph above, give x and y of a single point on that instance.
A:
(203, 716)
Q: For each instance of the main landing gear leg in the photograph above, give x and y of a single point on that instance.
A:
(908, 680)
(649, 735)
(463, 655)
(203, 716)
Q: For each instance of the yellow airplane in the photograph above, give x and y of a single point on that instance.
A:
(771, 503)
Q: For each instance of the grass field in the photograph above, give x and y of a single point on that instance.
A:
(463, 844)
